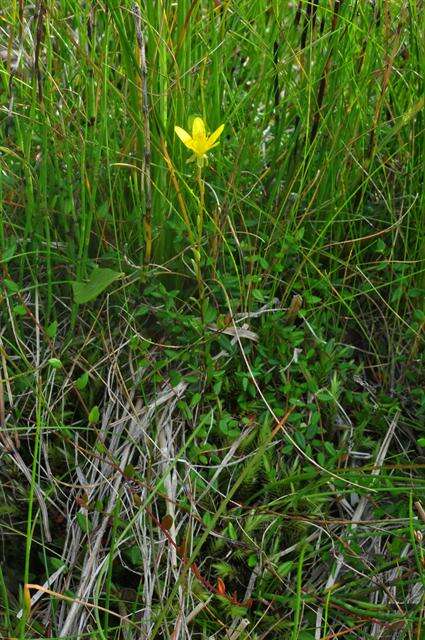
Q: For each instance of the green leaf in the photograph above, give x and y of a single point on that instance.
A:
(258, 295)
(237, 611)
(210, 314)
(324, 396)
(10, 285)
(228, 426)
(175, 377)
(284, 568)
(231, 532)
(252, 560)
(55, 363)
(65, 431)
(94, 415)
(6, 510)
(9, 252)
(329, 448)
(134, 555)
(299, 439)
(100, 447)
(84, 524)
(51, 330)
(82, 381)
(20, 310)
(129, 471)
(195, 400)
(99, 280)
(56, 563)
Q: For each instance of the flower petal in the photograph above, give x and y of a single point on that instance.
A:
(214, 136)
(184, 136)
(198, 129)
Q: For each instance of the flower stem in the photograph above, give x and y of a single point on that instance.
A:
(200, 228)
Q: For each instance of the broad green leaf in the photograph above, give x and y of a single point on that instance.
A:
(99, 280)
(55, 363)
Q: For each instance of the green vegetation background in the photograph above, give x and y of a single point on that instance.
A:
(216, 429)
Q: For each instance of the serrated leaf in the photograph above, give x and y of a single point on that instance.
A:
(99, 280)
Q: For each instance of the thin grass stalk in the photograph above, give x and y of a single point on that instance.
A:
(30, 521)
(147, 178)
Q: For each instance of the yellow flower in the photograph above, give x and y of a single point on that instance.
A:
(199, 142)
